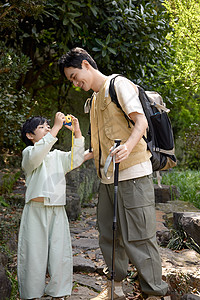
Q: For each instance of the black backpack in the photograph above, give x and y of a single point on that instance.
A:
(159, 138)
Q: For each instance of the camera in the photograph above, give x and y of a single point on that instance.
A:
(68, 121)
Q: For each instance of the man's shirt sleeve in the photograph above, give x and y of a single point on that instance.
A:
(128, 96)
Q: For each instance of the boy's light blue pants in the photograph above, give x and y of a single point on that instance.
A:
(44, 245)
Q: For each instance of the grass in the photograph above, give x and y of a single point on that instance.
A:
(187, 182)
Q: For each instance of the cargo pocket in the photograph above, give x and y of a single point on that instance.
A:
(139, 206)
(141, 222)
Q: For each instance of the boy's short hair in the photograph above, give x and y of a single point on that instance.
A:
(74, 58)
(29, 127)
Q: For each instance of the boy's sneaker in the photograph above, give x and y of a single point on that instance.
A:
(106, 293)
(60, 298)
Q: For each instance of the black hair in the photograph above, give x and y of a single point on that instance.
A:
(74, 58)
(29, 127)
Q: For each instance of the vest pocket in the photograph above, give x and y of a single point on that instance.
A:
(115, 126)
(141, 223)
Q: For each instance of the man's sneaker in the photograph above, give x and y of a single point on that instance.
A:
(106, 293)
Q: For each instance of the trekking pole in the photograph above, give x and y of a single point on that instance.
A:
(116, 175)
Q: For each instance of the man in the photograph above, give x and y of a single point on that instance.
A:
(136, 224)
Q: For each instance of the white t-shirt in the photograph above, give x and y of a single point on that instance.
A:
(129, 100)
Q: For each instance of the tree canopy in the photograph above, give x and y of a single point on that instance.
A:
(185, 37)
(153, 42)
(183, 75)
(123, 36)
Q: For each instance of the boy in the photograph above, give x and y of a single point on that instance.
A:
(44, 237)
(136, 223)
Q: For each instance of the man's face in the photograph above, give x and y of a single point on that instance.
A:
(80, 77)
(39, 132)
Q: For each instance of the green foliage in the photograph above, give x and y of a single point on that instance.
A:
(181, 240)
(185, 37)
(13, 103)
(188, 183)
(127, 30)
(3, 202)
(12, 277)
(191, 147)
(116, 33)
(178, 79)
(9, 226)
(9, 179)
(127, 37)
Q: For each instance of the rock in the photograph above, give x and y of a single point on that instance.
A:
(181, 261)
(189, 222)
(163, 234)
(5, 285)
(3, 259)
(82, 183)
(176, 206)
(181, 270)
(12, 242)
(163, 237)
(165, 193)
(190, 297)
(73, 206)
(89, 281)
(81, 264)
(82, 293)
(86, 243)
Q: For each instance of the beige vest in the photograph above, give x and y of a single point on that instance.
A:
(107, 124)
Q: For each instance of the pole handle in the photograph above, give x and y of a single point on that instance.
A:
(116, 173)
(117, 141)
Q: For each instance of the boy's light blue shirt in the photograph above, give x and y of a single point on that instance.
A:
(45, 170)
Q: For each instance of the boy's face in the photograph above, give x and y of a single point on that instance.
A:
(82, 78)
(39, 132)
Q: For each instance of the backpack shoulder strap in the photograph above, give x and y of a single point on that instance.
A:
(112, 91)
(114, 98)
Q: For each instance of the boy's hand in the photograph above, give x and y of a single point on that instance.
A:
(88, 155)
(58, 123)
(75, 127)
(59, 119)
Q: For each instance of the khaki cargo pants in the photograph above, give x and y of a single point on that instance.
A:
(136, 232)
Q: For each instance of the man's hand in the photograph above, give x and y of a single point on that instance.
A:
(121, 153)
